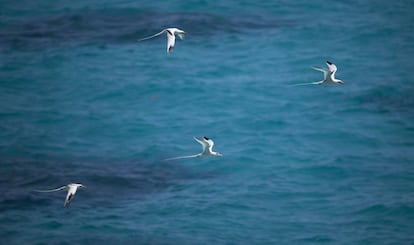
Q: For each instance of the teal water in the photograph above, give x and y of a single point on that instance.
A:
(82, 101)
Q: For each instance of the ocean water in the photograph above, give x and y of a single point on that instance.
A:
(82, 101)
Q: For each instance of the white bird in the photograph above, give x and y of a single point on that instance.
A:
(72, 188)
(329, 76)
(207, 149)
(170, 37)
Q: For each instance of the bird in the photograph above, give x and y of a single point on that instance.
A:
(329, 75)
(171, 32)
(72, 188)
(207, 145)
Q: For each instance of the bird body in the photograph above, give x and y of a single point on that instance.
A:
(171, 32)
(207, 147)
(72, 188)
(329, 75)
(207, 150)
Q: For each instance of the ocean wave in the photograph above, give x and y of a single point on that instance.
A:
(121, 26)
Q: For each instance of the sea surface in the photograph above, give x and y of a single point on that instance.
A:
(82, 101)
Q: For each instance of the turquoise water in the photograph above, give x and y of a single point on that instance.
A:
(82, 101)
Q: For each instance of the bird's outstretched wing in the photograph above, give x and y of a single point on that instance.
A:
(181, 35)
(326, 72)
(170, 41)
(69, 198)
(204, 143)
(210, 143)
(332, 67)
(71, 193)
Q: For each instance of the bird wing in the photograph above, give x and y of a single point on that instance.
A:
(181, 35)
(57, 189)
(332, 67)
(170, 41)
(70, 195)
(325, 71)
(204, 143)
(210, 143)
(145, 38)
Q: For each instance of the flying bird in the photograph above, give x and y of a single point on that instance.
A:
(329, 75)
(207, 145)
(171, 32)
(72, 188)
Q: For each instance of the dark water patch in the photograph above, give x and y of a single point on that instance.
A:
(317, 239)
(120, 26)
(107, 182)
(51, 225)
(387, 99)
(403, 177)
(21, 202)
(323, 172)
(404, 212)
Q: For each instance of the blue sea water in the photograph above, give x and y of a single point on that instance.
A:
(82, 101)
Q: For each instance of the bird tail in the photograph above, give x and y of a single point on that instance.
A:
(182, 157)
(57, 189)
(146, 38)
(300, 84)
